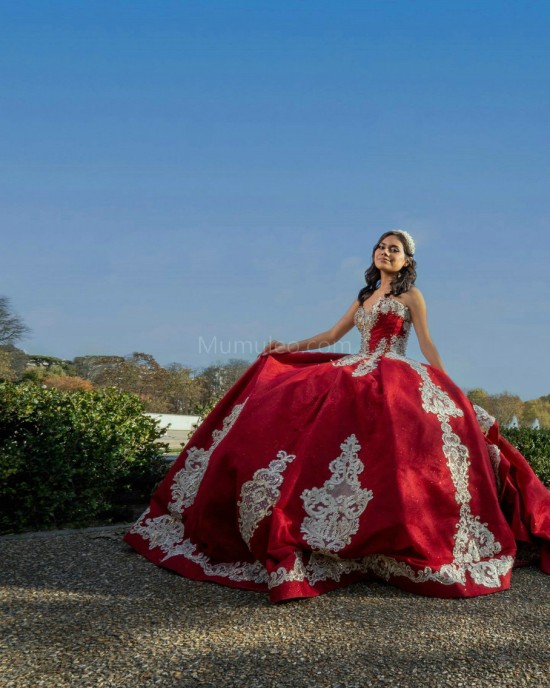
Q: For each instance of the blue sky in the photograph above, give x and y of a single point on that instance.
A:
(188, 178)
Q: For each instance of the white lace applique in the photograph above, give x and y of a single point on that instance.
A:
(167, 533)
(333, 510)
(386, 567)
(434, 399)
(163, 531)
(485, 573)
(140, 519)
(281, 575)
(187, 480)
(488, 573)
(485, 419)
(259, 495)
(321, 567)
(473, 540)
(235, 571)
(369, 363)
(365, 322)
(364, 325)
(350, 359)
(398, 343)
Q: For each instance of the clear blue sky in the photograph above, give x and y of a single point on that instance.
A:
(171, 171)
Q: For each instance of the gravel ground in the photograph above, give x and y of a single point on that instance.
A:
(82, 609)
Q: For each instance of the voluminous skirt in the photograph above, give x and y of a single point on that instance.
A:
(312, 473)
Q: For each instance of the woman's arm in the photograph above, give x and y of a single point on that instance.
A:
(336, 332)
(417, 307)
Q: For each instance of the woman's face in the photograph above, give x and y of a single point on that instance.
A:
(389, 255)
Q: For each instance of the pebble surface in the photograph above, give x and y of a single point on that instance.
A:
(82, 609)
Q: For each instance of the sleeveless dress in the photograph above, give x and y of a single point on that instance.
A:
(320, 469)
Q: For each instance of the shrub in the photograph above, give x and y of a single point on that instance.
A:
(535, 446)
(69, 459)
(67, 383)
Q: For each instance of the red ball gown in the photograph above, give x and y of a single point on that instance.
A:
(320, 469)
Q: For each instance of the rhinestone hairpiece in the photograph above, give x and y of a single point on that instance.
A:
(408, 239)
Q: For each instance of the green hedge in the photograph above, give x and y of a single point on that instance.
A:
(73, 459)
(535, 446)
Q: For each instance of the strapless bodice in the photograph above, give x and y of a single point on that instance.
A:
(384, 327)
(384, 330)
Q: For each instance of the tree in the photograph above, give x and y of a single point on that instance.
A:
(12, 328)
(537, 408)
(505, 406)
(480, 397)
(93, 367)
(139, 374)
(174, 389)
(7, 373)
(219, 377)
(49, 364)
(13, 362)
(183, 392)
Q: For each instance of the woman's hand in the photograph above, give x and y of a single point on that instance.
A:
(275, 347)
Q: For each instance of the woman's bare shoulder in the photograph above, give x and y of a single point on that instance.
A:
(412, 296)
(414, 301)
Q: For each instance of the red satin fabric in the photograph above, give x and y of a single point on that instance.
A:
(316, 470)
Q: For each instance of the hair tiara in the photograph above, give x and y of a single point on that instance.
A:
(409, 241)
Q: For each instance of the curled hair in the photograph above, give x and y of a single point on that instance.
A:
(401, 283)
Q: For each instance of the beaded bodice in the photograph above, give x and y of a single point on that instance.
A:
(384, 327)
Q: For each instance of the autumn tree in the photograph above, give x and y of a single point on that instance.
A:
(480, 397)
(67, 383)
(537, 408)
(138, 373)
(183, 391)
(505, 406)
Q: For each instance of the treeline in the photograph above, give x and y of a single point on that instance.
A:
(176, 388)
(505, 406)
(171, 389)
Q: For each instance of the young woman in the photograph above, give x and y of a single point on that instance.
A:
(320, 469)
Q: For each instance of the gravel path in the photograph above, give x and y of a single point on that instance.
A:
(82, 609)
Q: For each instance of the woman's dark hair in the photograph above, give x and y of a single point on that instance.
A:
(401, 283)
